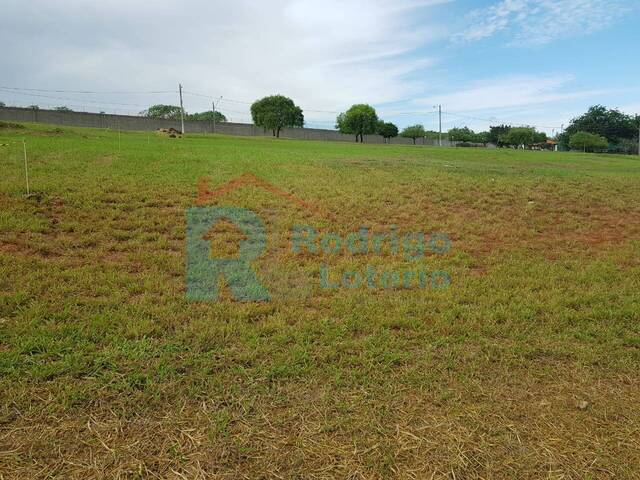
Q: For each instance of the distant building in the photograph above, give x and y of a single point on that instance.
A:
(546, 145)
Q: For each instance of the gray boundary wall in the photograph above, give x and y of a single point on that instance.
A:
(129, 122)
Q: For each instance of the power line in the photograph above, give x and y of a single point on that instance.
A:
(409, 113)
(218, 97)
(97, 103)
(231, 100)
(86, 91)
(493, 119)
(76, 106)
(202, 95)
(26, 92)
(72, 99)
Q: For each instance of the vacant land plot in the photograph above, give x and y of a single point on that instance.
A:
(525, 366)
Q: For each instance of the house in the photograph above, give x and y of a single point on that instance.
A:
(546, 145)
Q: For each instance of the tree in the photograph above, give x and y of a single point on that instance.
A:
(625, 146)
(466, 135)
(387, 130)
(34, 107)
(518, 136)
(208, 115)
(276, 112)
(413, 132)
(63, 109)
(169, 112)
(361, 119)
(433, 135)
(609, 123)
(539, 137)
(586, 141)
(497, 131)
(2, 104)
(483, 137)
(463, 134)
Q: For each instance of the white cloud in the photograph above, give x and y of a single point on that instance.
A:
(630, 108)
(510, 91)
(326, 54)
(544, 101)
(539, 22)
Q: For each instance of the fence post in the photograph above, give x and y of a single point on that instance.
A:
(26, 169)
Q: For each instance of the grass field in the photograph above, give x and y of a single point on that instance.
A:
(525, 367)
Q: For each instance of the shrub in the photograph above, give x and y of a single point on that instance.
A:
(588, 142)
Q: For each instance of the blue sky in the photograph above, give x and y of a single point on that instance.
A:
(537, 62)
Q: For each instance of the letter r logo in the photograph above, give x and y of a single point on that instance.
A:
(203, 271)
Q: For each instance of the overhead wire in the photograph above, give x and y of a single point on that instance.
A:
(82, 92)
(40, 93)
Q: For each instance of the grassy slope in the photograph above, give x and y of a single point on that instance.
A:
(106, 370)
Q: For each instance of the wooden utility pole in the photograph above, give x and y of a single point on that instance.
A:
(181, 108)
(26, 169)
(440, 125)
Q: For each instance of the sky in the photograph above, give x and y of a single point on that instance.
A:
(522, 62)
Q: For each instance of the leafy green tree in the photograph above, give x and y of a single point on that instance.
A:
(463, 134)
(482, 137)
(34, 107)
(361, 119)
(169, 112)
(207, 116)
(609, 123)
(63, 109)
(413, 132)
(539, 137)
(433, 135)
(275, 113)
(586, 141)
(496, 132)
(625, 146)
(518, 136)
(2, 104)
(466, 135)
(387, 130)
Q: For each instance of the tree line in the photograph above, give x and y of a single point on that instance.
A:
(361, 119)
(598, 130)
(172, 112)
(602, 129)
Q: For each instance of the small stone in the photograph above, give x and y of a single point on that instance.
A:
(582, 405)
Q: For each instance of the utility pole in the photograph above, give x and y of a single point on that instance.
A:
(26, 169)
(181, 108)
(213, 107)
(440, 125)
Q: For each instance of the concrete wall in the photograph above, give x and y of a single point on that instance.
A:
(128, 122)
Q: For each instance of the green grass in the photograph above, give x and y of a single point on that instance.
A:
(108, 371)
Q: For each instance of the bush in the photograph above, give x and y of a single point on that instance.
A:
(626, 146)
(413, 132)
(588, 142)
(14, 126)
